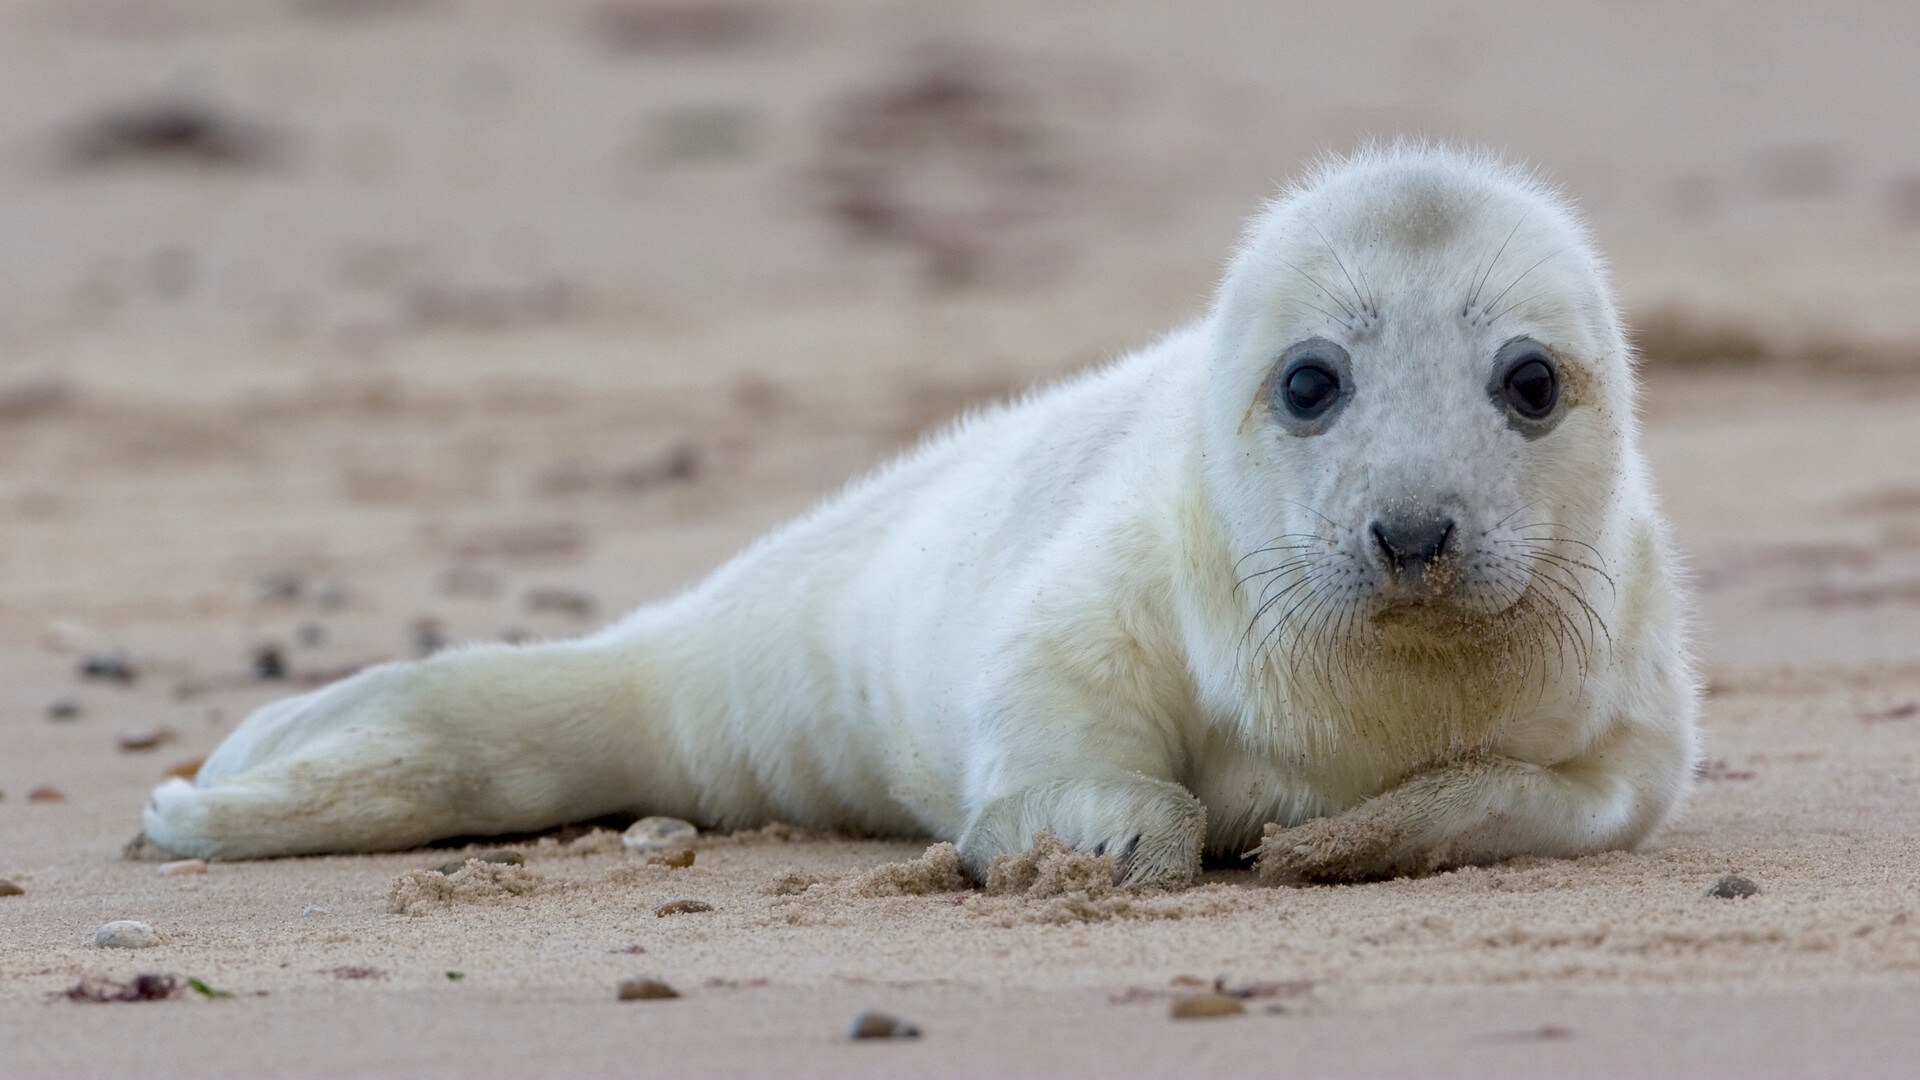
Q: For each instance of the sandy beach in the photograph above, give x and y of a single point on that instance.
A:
(337, 329)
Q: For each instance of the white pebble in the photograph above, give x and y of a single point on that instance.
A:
(125, 934)
(655, 833)
(311, 910)
(182, 866)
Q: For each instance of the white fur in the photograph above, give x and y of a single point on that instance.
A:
(1035, 620)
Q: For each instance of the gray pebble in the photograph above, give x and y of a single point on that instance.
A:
(125, 934)
(110, 667)
(874, 1024)
(635, 988)
(658, 834)
(1733, 887)
(268, 663)
(64, 709)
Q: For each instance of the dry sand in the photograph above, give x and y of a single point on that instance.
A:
(510, 317)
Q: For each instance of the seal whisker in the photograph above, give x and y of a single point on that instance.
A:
(1523, 276)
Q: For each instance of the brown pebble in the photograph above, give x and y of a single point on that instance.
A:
(185, 770)
(682, 907)
(634, 988)
(560, 601)
(874, 1024)
(679, 858)
(8, 888)
(1202, 1006)
(46, 793)
(137, 741)
(1733, 887)
(182, 867)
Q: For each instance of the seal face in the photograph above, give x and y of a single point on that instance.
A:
(1362, 572)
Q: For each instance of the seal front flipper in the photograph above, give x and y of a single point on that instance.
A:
(1487, 807)
(1152, 828)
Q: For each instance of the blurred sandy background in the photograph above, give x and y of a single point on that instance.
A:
(345, 326)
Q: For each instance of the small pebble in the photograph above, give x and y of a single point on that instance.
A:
(1733, 887)
(185, 770)
(181, 867)
(8, 888)
(463, 580)
(1201, 1006)
(506, 858)
(874, 1024)
(658, 834)
(268, 664)
(46, 793)
(280, 588)
(427, 638)
(108, 667)
(311, 910)
(679, 858)
(138, 741)
(681, 907)
(125, 934)
(330, 596)
(310, 635)
(64, 709)
(635, 988)
(560, 602)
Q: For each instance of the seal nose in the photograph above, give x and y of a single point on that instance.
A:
(1411, 544)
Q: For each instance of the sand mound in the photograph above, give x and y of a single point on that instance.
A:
(420, 892)
(935, 871)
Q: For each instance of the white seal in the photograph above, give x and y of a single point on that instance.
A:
(1363, 570)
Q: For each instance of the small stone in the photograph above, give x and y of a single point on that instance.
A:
(505, 858)
(427, 637)
(330, 596)
(185, 770)
(268, 664)
(874, 1024)
(1203, 1006)
(181, 867)
(635, 988)
(140, 741)
(465, 580)
(310, 635)
(1733, 887)
(681, 907)
(560, 602)
(125, 934)
(8, 888)
(281, 588)
(108, 667)
(311, 910)
(64, 709)
(679, 858)
(46, 793)
(658, 834)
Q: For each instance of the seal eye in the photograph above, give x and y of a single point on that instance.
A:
(1526, 383)
(1532, 388)
(1310, 389)
(1313, 382)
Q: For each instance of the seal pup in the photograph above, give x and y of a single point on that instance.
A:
(1363, 571)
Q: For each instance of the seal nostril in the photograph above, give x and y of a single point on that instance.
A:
(1386, 546)
(1412, 543)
